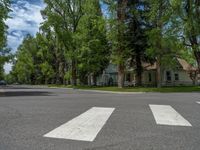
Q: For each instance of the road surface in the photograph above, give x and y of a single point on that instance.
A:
(39, 118)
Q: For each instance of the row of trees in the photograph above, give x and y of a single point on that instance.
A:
(78, 40)
(4, 51)
(71, 45)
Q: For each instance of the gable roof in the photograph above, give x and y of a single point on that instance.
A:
(183, 63)
(149, 66)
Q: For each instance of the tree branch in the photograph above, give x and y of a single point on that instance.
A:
(184, 41)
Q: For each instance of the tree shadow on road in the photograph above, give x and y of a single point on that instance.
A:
(24, 93)
(18, 87)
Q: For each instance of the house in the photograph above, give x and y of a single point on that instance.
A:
(181, 73)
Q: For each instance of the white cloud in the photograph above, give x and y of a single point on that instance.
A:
(25, 19)
(8, 67)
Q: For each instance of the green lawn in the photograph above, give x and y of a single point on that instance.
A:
(137, 89)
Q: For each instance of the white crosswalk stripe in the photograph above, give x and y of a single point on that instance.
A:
(166, 115)
(2, 92)
(85, 127)
(198, 102)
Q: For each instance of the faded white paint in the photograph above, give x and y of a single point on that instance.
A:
(2, 90)
(198, 102)
(166, 115)
(85, 127)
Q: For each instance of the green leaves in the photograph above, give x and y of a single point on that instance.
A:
(4, 51)
(4, 10)
(77, 40)
(94, 53)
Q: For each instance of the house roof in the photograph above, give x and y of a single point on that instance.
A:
(183, 63)
(149, 66)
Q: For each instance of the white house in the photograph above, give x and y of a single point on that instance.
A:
(182, 73)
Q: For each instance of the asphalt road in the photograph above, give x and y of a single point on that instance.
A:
(27, 114)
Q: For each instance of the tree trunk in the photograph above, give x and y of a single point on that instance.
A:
(121, 71)
(94, 79)
(89, 80)
(193, 35)
(46, 80)
(139, 78)
(121, 13)
(197, 56)
(193, 77)
(138, 70)
(159, 44)
(194, 82)
(74, 77)
(158, 73)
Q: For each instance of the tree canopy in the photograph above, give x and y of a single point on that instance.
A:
(4, 51)
(79, 39)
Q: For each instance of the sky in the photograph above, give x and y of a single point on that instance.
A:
(25, 19)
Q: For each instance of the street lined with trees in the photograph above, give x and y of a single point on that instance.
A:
(79, 38)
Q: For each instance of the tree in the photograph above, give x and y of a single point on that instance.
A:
(130, 42)
(187, 23)
(24, 65)
(51, 52)
(159, 16)
(117, 36)
(94, 51)
(4, 51)
(4, 10)
(121, 51)
(138, 25)
(64, 17)
(45, 54)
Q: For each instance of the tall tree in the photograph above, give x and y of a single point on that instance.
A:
(4, 52)
(94, 54)
(24, 67)
(121, 49)
(138, 24)
(117, 36)
(159, 16)
(187, 23)
(64, 17)
(4, 10)
(46, 66)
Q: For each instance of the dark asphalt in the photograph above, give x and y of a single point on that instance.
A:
(26, 114)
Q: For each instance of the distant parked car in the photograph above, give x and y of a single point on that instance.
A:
(2, 82)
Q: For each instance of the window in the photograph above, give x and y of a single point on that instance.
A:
(168, 75)
(176, 76)
(150, 78)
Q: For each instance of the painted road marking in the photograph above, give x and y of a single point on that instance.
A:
(2, 91)
(198, 102)
(166, 115)
(84, 127)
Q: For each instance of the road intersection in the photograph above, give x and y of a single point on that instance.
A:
(60, 119)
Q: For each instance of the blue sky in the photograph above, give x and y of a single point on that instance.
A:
(25, 19)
